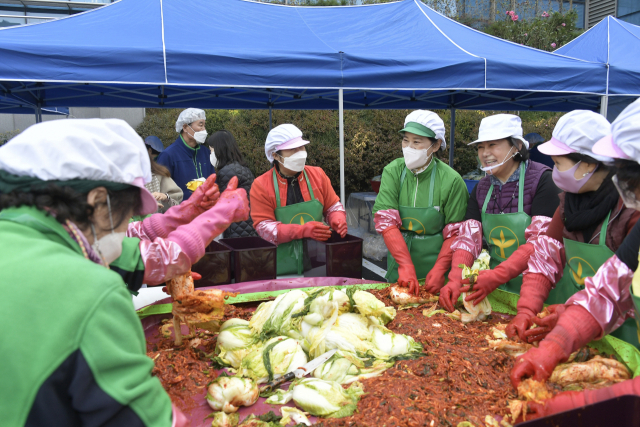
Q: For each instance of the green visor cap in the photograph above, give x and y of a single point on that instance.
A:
(418, 129)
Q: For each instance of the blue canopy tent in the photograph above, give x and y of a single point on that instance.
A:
(234, 54)
(616, 44)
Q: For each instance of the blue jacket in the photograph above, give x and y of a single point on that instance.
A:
(186, 163)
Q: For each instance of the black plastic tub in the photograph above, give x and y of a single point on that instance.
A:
(252, 258)
(215, 266)
(617, 412)
(340, 257)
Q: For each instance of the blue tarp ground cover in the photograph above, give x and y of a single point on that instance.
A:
(616, 43)
(231, 54)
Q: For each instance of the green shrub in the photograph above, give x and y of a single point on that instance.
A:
(371, 137)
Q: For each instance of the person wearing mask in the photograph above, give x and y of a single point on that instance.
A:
(419, 195)
(185, 158)
(228, 162)
(163, 188)
(609, 297)
(500, 209)
(587, 228)
(63, 215)
(289, 201)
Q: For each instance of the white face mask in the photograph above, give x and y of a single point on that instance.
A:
(489, 169)
(200, 137)
(213, 159)
(109, 247)
(416, 158)
(295, 162)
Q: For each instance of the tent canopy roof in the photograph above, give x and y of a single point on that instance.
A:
(615, 43)
(241, 54)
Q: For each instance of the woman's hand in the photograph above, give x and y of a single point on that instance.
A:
(160, 196)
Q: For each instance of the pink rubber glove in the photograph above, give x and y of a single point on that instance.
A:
(160, 225)
(576, 399)
(311, 230)
(179, 419)
(575, 329)
(398, 248)
(489, 280)
(546, 324)
(193, 238)
(338, 221)
(435, 278)
(535, 289)
(451, 291)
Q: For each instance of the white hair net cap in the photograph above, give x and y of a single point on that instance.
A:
(577, 132)
(624, 141)
(283, 137)
(189, 116)
(500, 126)
(430, 120)
(91, 149)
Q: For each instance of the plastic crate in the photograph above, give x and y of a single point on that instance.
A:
(214, 266)
(619, 412)
(253, 258)
(471, 184)
(337, 257)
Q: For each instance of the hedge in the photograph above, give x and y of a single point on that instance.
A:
(371, 137)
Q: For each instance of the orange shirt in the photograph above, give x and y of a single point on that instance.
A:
(263, 195)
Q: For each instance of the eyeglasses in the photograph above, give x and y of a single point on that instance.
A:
(628, 196)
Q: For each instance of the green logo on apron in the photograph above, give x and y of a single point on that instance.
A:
(503, 238)
(414, 225)
(301, 218)
(580, 270)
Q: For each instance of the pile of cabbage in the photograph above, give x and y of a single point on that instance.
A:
(299, 326)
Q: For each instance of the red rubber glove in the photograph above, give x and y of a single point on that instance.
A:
(546, 324)
(534, 291)
(203, 199)
(398, 248)
(196, 276)
(450, 293)
(575, 399)
(435, 278)
(575, 328)
(489, 280)
(193, 238)
(338, 221)
(311, 230)
(179, 419)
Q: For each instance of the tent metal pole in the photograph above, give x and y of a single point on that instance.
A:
(604, 105)
(270, 125)
(341, 120)
(451, 137)
(38, 114)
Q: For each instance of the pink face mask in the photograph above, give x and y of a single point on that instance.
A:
(566, 180)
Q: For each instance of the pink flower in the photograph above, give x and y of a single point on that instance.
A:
(563, 24)
(510, 12)
(545, 14)
(526, 34)
(553, 45)
(514, 18)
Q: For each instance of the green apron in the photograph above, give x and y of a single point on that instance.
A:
(505, 232)
(636, 303)
(583, 260)
(291, 254)
(422, 231)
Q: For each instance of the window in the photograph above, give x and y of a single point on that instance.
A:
(10, 21)
(629, 10)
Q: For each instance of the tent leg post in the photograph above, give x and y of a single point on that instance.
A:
(451, 137)
(341, 120)
(270, 123)
(38, 115)
(604, 105)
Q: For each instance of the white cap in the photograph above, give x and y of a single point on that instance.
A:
(577, 132)
(283, 137)
(189, 116)
(500, 126)
(89, 149)
(430, 120)
(624, 141)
